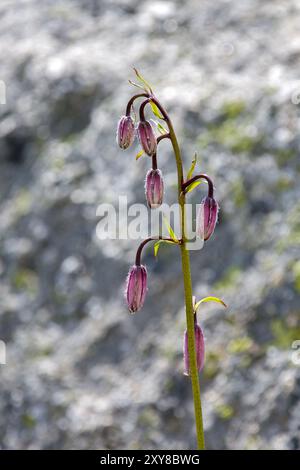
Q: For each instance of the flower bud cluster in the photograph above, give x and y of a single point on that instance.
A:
(136, 284)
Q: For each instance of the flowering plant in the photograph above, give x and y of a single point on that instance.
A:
(136, 286)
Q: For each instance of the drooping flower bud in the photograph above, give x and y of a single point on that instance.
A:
(154, 188)
(147, 137)
(200, 349)
(125, 132)
(136, 287)
(207, 218)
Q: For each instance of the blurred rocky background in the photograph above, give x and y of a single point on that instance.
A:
(81, 372)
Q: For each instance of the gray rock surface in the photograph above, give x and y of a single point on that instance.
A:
(81, 372)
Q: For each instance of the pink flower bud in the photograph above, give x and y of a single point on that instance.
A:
(200, 349)
(147, 137)
(125, 132)
(154, 188)
(136, 287)
(207, 217)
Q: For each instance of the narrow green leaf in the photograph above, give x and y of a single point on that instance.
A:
(136, 85)
(147, 86)
(192, 167)
(155, 110)
(170, 230)
(161, 129)
(141, 152)
(158, 243)
(155, 123)
(193, 186)
(209, 299)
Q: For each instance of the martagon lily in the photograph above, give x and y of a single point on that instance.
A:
(136, 285)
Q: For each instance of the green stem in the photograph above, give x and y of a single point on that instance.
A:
(185, 259)
(186, 271)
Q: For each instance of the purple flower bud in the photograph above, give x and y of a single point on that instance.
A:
(147, 137)
(125, 132)
(136, 287)
(154, 188)
(207, 217)
(200, 350)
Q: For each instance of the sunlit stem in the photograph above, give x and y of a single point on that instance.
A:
(132, 100)
(186, 184)
(144, 243)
